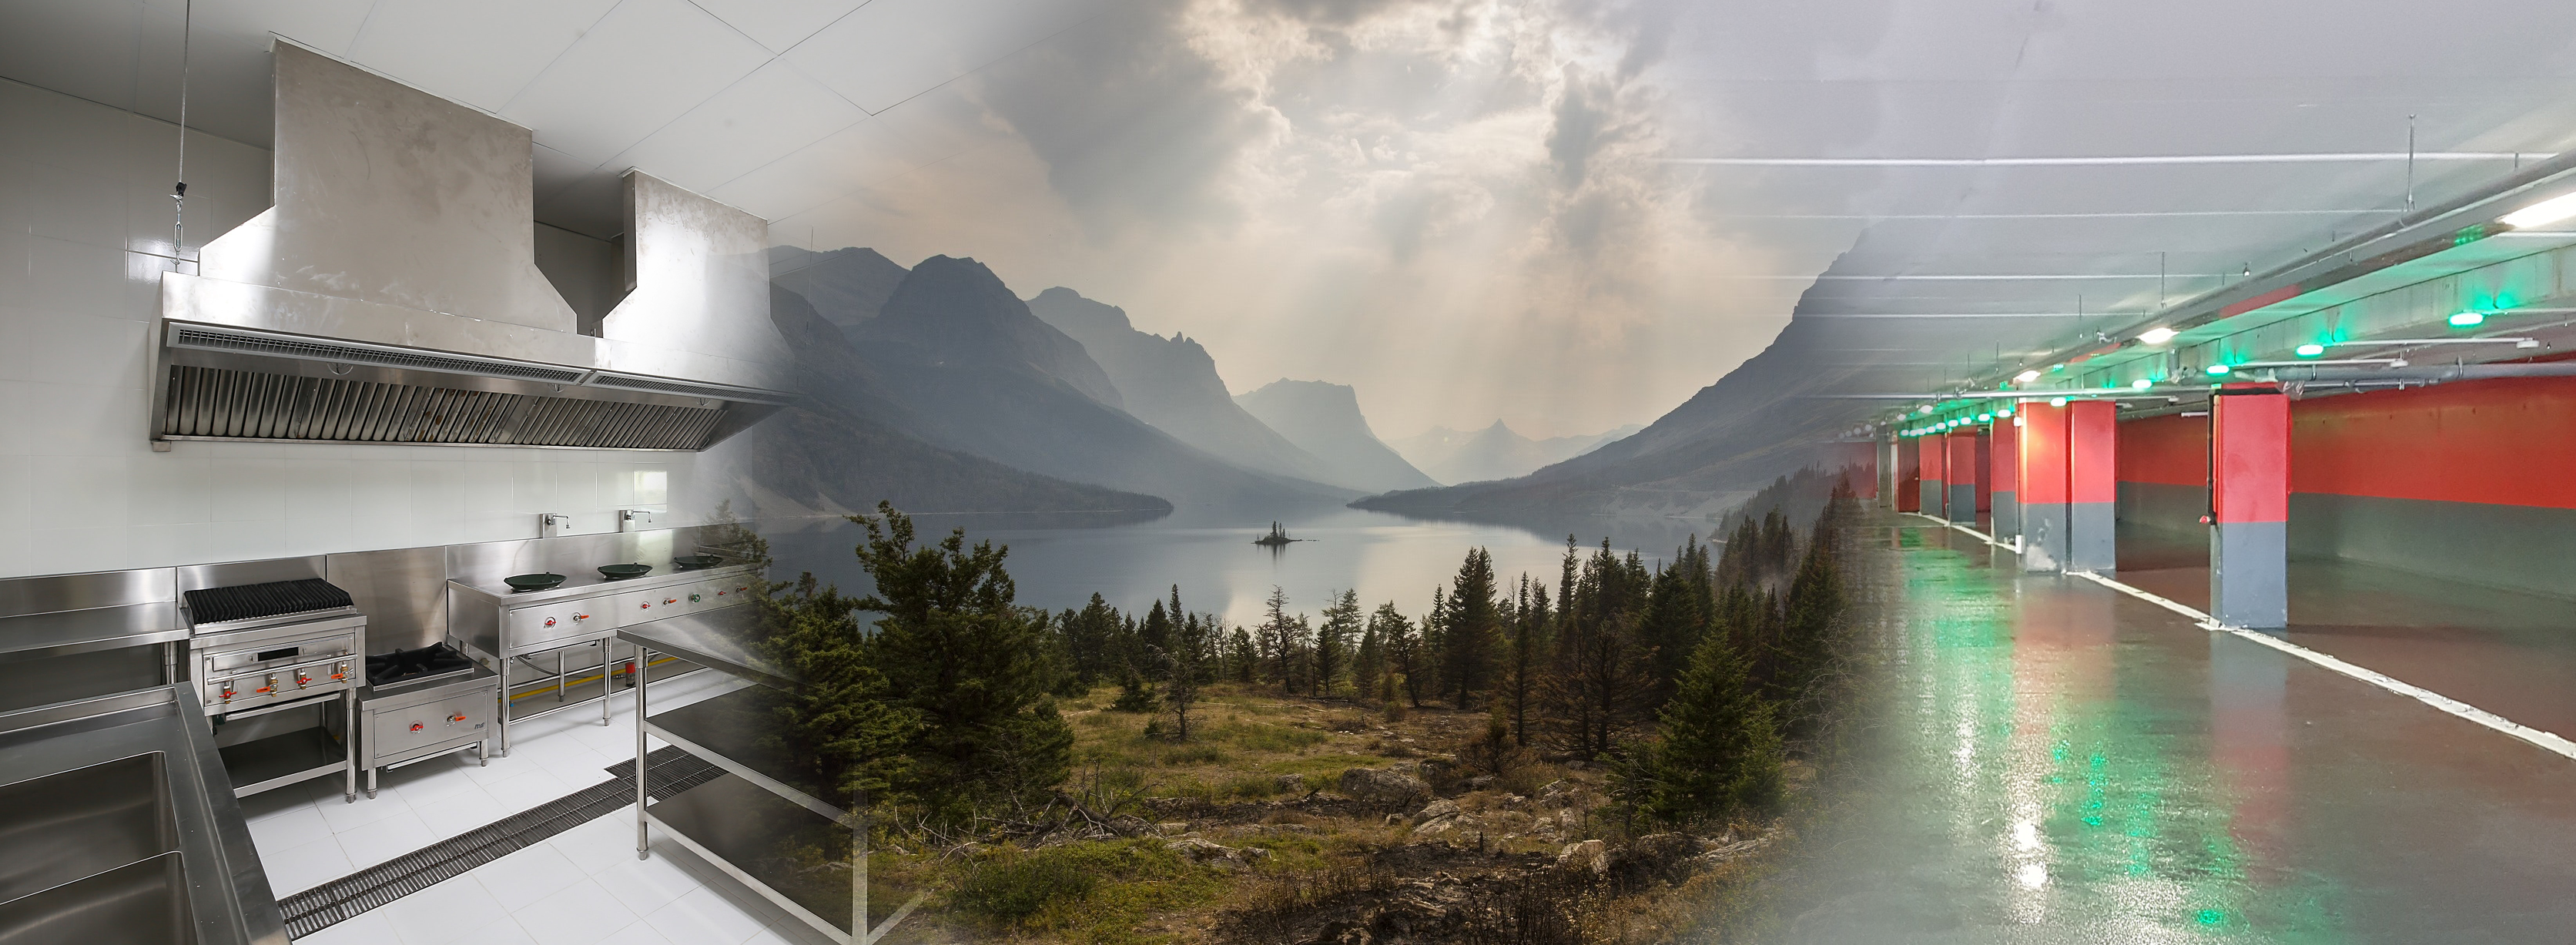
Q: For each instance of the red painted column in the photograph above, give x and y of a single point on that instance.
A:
(2002, 492)
(1909, 475)
(2249, 539)
(2040, 478)
(1961, 475)
(2092, 485)
(1936, 467)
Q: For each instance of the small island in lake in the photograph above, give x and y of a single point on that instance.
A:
(1278, 537)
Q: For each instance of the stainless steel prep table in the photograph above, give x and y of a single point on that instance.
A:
(746, 821)
(123, 828)
(513, 629)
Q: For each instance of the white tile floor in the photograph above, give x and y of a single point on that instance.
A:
(584, 886)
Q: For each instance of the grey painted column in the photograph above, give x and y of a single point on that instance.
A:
(2249, 583)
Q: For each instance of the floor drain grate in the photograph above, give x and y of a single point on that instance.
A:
(670, 771)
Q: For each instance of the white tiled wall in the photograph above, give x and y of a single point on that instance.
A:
(84, 237)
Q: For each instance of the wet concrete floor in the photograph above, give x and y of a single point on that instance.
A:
(2059, 762)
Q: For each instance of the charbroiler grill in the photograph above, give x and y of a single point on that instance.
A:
(270, 660)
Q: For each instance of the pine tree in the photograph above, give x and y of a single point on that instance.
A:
(1468, 634)
(1333, 640)
(1155, 633)
(1368, 664)
(1244, 659)
(1720, 754)
(1525, 656)
(954, 648)
(844, 727)
(1403, 651)
(1677, 614)
(1186, 669)
(1276, 649)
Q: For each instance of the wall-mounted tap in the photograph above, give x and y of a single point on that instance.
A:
(635, 520)
(551, 524)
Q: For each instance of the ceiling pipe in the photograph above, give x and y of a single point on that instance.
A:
(2433, 373)
(2337, 263)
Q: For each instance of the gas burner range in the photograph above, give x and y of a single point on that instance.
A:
(435, 661)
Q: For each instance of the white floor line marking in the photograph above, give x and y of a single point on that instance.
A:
(2546, 741)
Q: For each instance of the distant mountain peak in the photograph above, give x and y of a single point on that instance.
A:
(1324, 419)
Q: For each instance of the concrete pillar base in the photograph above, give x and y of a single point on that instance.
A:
(1934, 494)
(1962, 508)
(2007, 515)
(2043, 537)
(2095, 542)
(2249, 584)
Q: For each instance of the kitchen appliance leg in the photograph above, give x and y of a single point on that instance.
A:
(371, 783)
(349, 749)
(643, 842)
(561, 691)
(483, 753)
(502, 720)
(607, 678)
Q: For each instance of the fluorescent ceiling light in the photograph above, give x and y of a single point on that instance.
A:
(2157, 335)
(2543, 213)
(2466, 319)
(2141, 384)
(2027, 376)
(2217, 369)
(2311, 350)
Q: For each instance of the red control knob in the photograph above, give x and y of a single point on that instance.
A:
(303, 679)
(228, 690)
(550, 621)
(670, 600)
(647, 605)
(581, 616)
(415, 726)
(459, 717)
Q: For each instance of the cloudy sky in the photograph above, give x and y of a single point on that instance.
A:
(1453, 206)
(1470, 209)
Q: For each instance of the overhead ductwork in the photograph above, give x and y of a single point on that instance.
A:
(392, 295)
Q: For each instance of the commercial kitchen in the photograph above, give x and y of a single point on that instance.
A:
(223, 728)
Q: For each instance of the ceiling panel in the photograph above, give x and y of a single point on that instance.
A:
(820, 172)
(768, 115)
(646, 63)
(780, 24)
(891, 50)
(327, 25)
(480, 52)
(77, 47)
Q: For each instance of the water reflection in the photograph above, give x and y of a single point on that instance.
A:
(1059, 560)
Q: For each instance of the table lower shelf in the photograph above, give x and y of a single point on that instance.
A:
(283, 759)
(769, 843)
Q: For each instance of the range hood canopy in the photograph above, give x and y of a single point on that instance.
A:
(391, 294)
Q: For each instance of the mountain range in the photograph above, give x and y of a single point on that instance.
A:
(943, 371)
(1495, 452)
(1324, 420)
(1172, 384)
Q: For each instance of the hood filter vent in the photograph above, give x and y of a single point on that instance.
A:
(241, 341)
(218, 403)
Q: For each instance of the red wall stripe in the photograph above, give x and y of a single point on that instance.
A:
(1961, 467)
(2501, 442)
(2171, 449)
(1935, 461)
(2043, 454)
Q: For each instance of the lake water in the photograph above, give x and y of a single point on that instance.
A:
(1058, 561)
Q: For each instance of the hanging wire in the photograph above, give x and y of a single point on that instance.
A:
(179, 192)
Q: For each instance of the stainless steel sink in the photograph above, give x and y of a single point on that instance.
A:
(83, 822)
(122, 828)
(142, 903)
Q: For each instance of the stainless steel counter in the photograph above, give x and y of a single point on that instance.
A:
(63, 633)
(120, 826)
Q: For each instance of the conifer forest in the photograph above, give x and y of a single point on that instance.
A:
(1609, 753)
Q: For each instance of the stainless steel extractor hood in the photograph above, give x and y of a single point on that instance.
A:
(392, 295)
